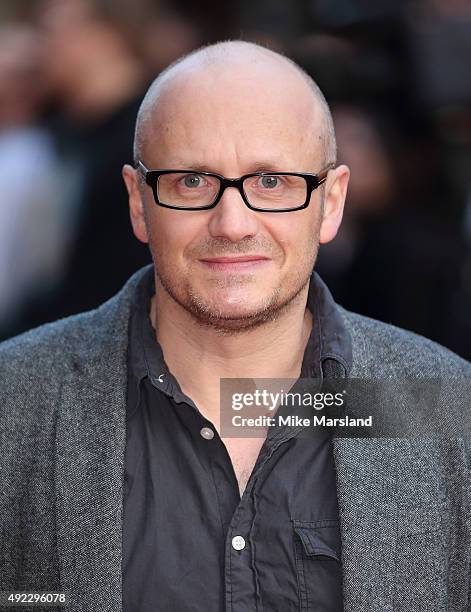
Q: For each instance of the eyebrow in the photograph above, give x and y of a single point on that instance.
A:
(267, 166)
(258, 166)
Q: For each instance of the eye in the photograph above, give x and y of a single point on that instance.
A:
(192, 180)
(270, 182)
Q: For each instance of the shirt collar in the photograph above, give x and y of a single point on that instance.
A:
(329, 340)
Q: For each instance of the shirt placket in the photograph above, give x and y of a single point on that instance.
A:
(241, 576)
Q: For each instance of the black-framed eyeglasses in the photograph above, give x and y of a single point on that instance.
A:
(261, 191)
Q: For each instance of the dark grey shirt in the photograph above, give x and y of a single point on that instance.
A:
(190, 542)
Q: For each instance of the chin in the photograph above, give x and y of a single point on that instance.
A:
(245, 300)
(232, 308)
(231, 319)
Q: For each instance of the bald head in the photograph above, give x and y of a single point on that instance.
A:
(245, 62)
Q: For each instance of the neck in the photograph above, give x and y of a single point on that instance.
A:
(196, 353)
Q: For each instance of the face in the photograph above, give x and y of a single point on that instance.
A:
(233, 125)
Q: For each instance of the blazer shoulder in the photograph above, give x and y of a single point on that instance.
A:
(383, 349)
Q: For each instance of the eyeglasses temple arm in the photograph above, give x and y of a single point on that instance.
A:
(140, 166)
(322, 176)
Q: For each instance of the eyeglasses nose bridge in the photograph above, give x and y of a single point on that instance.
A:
(236, 183)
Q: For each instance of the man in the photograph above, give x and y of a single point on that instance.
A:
(118, 486)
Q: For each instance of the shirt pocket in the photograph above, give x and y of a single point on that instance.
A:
(317, 552)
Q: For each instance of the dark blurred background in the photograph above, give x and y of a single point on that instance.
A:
(397, 76)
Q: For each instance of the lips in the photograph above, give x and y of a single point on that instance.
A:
(241, 259)
(235, 264)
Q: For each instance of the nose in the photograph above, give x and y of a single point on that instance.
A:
(231, 218)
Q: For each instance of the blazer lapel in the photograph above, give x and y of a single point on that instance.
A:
(90, 452)
(90, 463)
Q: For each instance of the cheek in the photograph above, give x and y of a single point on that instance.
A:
(311, 228)
(296, 235)
(171, 236)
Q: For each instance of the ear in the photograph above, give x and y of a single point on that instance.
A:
(136, 204)
(334, 200)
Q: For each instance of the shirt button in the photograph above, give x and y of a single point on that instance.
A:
(207, 433)
(238, 542)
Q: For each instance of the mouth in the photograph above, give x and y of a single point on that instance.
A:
(226, 264)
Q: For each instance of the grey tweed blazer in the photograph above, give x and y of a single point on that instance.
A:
(405, 504)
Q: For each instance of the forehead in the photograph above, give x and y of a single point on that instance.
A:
(260, 112)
